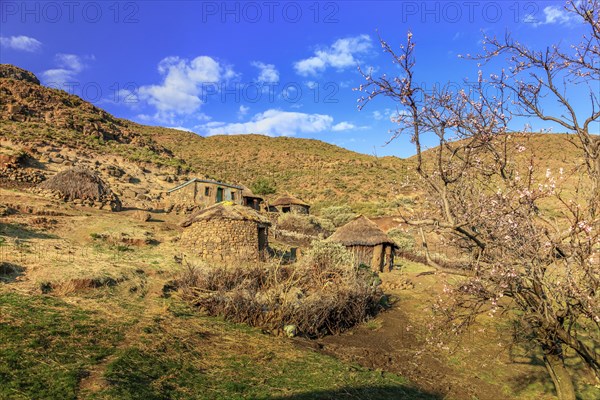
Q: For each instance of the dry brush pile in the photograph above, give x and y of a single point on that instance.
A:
(321, 295)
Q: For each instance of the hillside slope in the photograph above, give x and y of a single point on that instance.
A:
(34, 115)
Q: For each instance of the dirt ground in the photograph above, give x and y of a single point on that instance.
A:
(474, 367)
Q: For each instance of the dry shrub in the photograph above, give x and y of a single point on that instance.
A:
(305, 224)
(321, 295)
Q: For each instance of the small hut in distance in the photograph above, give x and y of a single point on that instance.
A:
(369, 244)
(249, 199)
(227, 232)
(288, 203)
(81, 186)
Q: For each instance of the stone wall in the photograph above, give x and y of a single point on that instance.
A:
(223, 240)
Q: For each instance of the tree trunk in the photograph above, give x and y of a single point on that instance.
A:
(563, 382)
(428, 258)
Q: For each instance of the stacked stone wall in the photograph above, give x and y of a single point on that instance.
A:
(223, 240)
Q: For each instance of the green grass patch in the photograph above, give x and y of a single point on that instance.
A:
(47, 346)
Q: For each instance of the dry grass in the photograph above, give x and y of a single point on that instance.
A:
(321, 295)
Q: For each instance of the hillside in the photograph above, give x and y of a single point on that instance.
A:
(34, 116)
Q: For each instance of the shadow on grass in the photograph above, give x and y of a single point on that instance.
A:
(19, 231)
(9, 272)
(365, 393)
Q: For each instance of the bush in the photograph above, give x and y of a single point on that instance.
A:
(403, 240)
(338, 215)
(305, 224)
(323, 294)
(325, 254)
(263, 187)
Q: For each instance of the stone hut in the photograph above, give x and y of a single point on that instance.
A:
(81, 186)
(251, 200)
(204, 192)
(369, 244)
(227, 232)
(291, 204)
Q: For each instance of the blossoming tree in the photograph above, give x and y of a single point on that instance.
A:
(539, 268)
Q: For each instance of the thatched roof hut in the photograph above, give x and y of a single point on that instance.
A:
(287, 200)
(370, 245)
(361, 231)
(249, 199)
(82, 186)
(289, 203)
(227, 232)
(226, 210)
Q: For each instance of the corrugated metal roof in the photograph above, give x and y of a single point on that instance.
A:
(204, 181)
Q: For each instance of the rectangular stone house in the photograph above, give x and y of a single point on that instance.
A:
(204, 192)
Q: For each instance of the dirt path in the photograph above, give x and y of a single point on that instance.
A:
(394, 348)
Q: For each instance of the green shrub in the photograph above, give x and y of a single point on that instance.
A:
(338, 215)
(403, 240)
(323, 254)
(263, 187)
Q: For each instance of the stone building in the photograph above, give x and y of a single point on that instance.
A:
(369, 244)
(289, 203)
(251, 200)
(204, 192)
(227, 232)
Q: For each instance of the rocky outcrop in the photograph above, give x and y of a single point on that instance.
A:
(23, 99)
(8, 71)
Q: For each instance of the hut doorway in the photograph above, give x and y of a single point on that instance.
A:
(219, 195)
(286, 209)
(262, 242)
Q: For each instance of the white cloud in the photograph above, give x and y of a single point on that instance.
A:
(71, 62)
(553, 15)
(183, 84)
(343, 126)
(181, 128)
(386, 113)
(69, 65)
(274, 123)
(267, 72)
(243, 111)
(341, 54)
(24, 43)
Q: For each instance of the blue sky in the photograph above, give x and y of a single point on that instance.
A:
(269, 67)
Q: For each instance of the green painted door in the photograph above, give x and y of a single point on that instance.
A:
(219, 195)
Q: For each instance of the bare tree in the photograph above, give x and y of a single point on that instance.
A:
(540, 269)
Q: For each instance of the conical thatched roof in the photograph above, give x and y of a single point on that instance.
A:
(287, 200)
(226, 210)
(360, 232)
(247, 192)
(79, 183)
